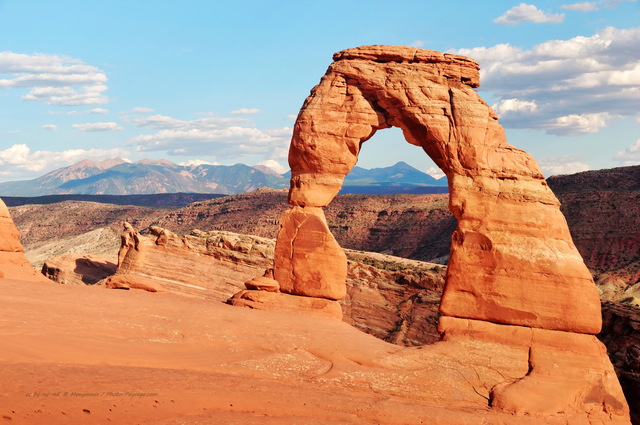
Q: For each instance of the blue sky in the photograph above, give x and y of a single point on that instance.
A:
(221, 81)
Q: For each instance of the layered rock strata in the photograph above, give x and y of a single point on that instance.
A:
(513, 268)
(207, 265)
(13, 264)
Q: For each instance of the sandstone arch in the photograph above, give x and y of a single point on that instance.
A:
(512, 257)
(516, 288)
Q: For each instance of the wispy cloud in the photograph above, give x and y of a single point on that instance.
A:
(629, 156)
(523, 13)
(246, 111)
(614, 3)
(53, 79)
(274, 165)
(18, 159)
(566, 87)
(142, 110)
(574, 124)
(436, 173)
(50, 127)
(220, 138)
(581, 7)
(196, 162)
(97, 126)
(166, 122)
(562, 165)
(100, 111)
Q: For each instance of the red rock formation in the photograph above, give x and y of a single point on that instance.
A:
(206, 265)
(512, 246)
(514, 272)
(13, 264)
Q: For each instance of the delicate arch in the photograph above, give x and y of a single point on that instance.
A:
(511, 248)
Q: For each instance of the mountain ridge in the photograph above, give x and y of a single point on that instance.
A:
(116, 176)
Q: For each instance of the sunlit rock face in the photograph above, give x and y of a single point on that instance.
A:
(512, 258)
(515, 282)
(13, 264)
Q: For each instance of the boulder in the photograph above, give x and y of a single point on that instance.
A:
(78, 269)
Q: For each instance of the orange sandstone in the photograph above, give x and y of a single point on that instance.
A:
(13, 264)
(515, 278)
(512, 247)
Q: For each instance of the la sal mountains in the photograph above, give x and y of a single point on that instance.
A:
(118, 177)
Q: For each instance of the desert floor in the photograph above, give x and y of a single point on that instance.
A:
(89, 355)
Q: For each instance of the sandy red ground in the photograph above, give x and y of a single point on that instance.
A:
(89, 355)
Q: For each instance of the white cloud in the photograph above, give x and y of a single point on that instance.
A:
(166, 122)
(97, 126)
(142, 110)
(581, 7)
(99, 111)
(221, 138)
(514, 106)
(292, 117)
(417, 43)
(572, 125)
(629, 156)
(19, 159)
(436, 173)
(50, 127)
(528, 13)
(274, 165)
(53, 79)
(579, 80)
(562, 165)
(196, 162)
(246, 111)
